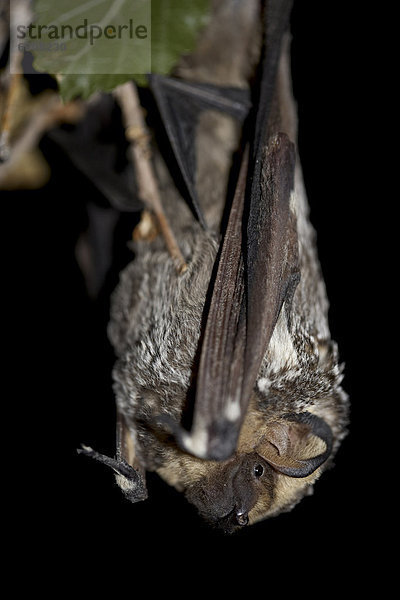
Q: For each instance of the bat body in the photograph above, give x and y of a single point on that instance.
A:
(227, 381)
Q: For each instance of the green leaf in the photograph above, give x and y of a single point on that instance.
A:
(84, 86)
(96, 45)
(175, 26)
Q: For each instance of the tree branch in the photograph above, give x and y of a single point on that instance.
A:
(139, 139)
(49, 113)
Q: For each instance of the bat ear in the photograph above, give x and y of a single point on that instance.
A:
(296, 445)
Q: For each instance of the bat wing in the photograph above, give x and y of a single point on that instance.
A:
(180, 104)
(257, 273)
(272, 267)
(252, 283)
(97, 147)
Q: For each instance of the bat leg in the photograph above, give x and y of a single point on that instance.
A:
(129, 477)
(180, 104)
(130, 480)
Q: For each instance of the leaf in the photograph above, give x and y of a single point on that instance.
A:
(97, 45)
(175, 26)
(84, 86)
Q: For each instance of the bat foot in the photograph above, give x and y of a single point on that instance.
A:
(131, 481)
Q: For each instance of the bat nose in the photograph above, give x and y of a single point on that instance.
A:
(236, 518)
(242, 518)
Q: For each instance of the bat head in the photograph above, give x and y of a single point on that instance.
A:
(264, 477)
(226, 496)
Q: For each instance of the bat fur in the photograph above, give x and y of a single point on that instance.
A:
(156, 315)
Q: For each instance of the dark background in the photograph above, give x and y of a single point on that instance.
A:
(61, 362)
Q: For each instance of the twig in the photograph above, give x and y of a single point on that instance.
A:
(136, 133)
(22, 15)
(5, 126)
(50, 112)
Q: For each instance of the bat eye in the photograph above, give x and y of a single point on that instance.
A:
(258, 470)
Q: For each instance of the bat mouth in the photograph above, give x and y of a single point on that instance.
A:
(233, 520)
(226, 499)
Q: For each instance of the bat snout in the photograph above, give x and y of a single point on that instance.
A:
(226, 496)
(242, 518)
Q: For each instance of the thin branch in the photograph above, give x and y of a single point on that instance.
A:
(49, 113)
(138, 136)
(14, 77)
(21, 11)
(5, 126)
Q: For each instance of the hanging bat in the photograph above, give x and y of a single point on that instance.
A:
(227, 381)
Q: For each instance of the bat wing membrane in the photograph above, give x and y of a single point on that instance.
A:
(180, 103)
(257, 273)
(253, 282)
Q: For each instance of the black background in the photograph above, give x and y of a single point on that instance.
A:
(60, 367)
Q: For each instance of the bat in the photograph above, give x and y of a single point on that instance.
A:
(227, 381)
